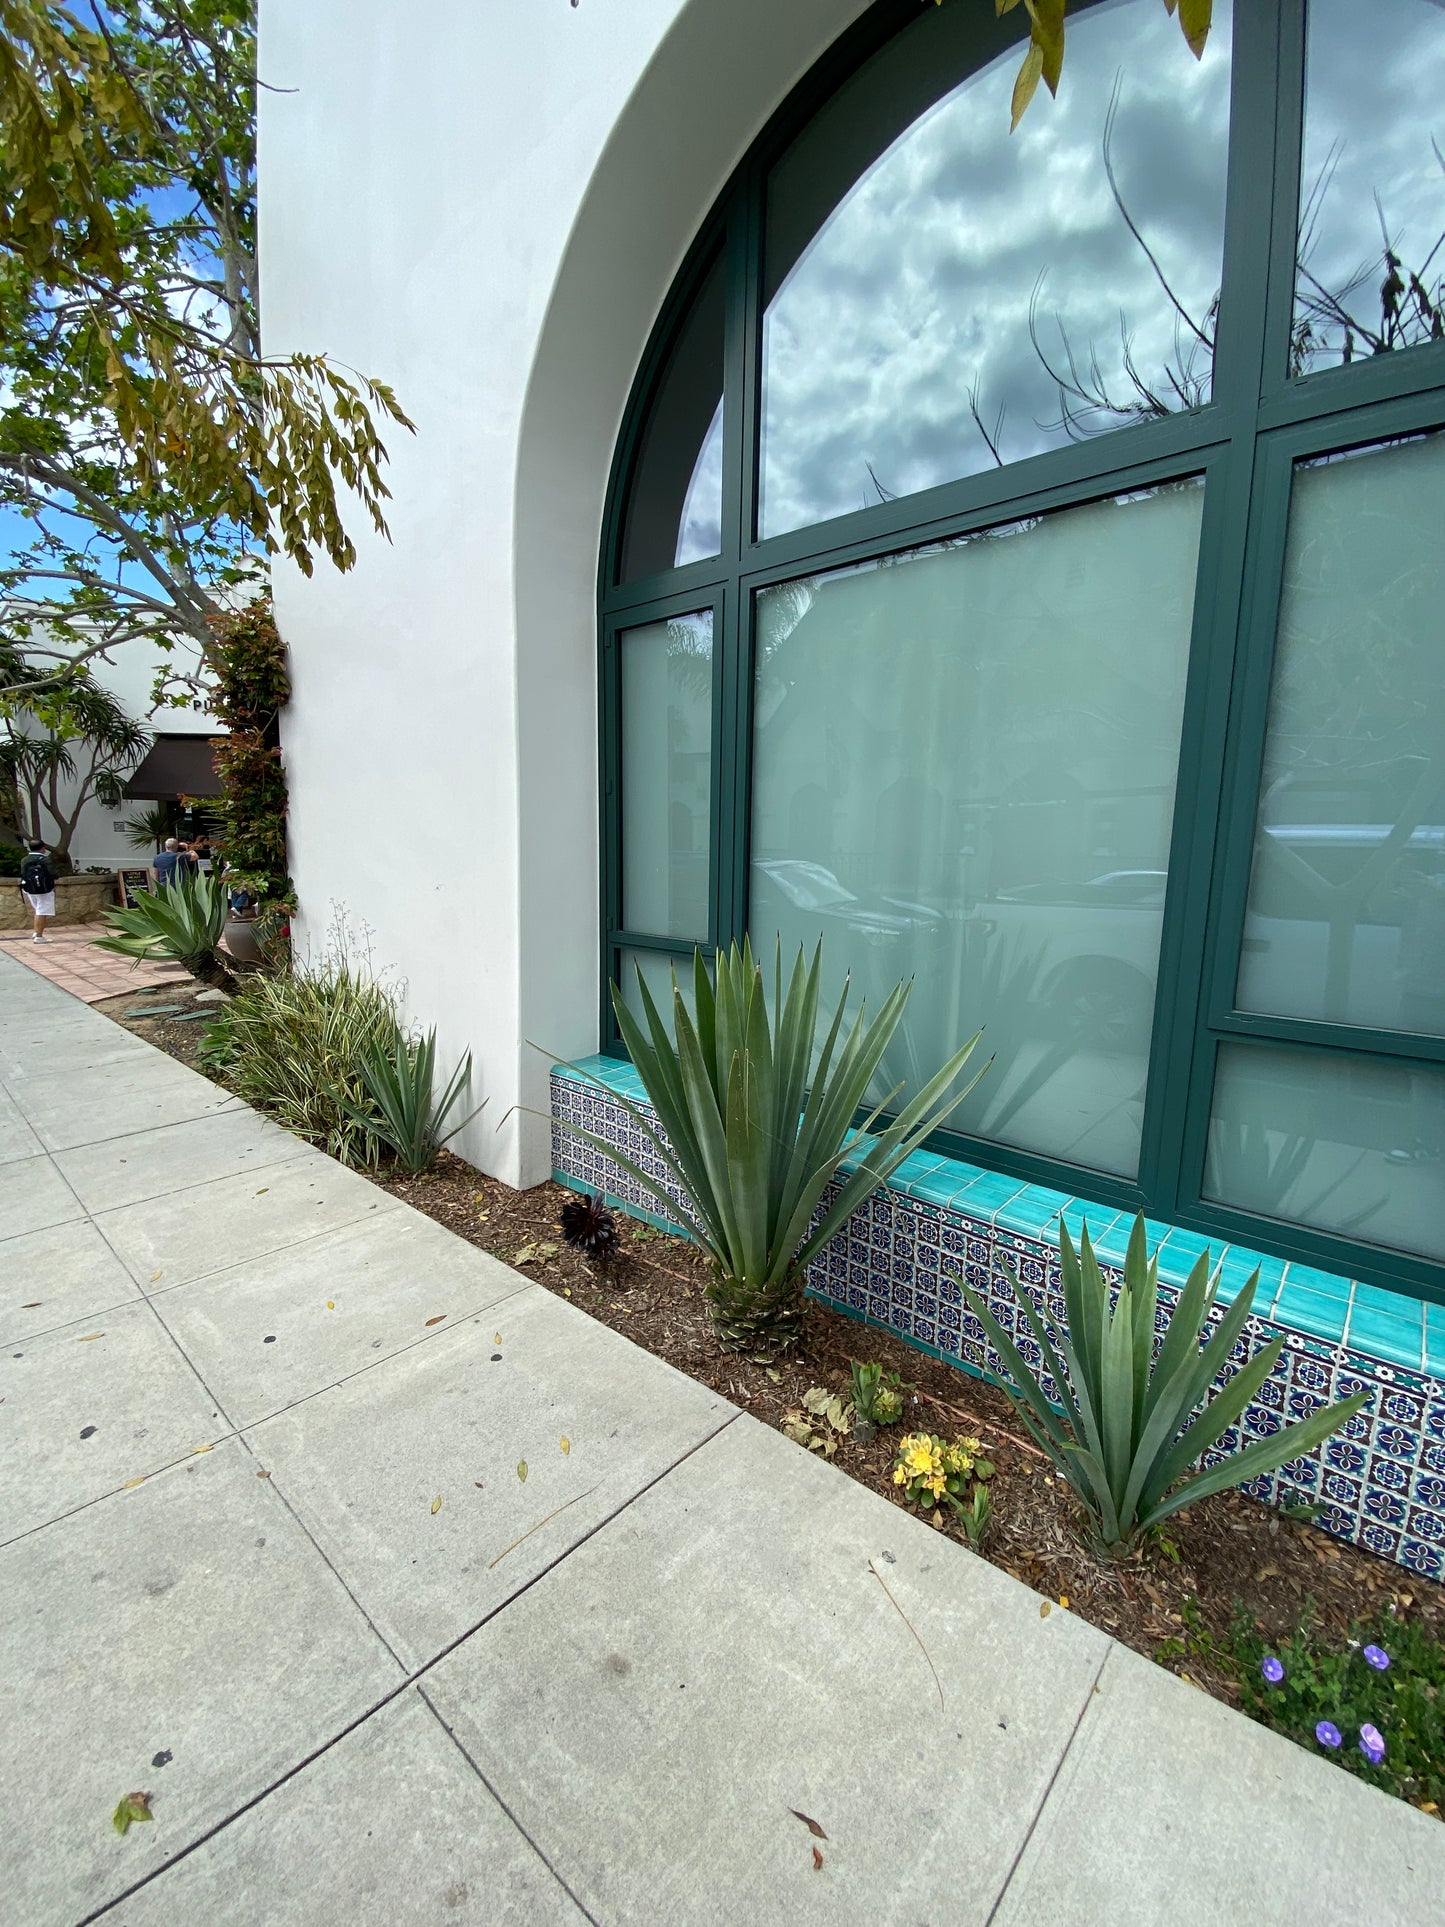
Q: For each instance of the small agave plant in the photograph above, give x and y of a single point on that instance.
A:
(754, 1121)
(1130, 1427)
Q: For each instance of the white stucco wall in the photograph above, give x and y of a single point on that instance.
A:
(484, 204)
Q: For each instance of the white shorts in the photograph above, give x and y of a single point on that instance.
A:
(41, 906)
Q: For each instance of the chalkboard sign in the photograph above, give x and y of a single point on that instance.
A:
(133, 883)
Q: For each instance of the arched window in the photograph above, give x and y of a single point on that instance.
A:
(1025, 571)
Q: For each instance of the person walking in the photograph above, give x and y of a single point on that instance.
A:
(170, 863)
(37, 886)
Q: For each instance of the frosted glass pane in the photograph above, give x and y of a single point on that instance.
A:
(964, 772)
(667, 775)
(657, 972)
(1346, 918)
(674, 506)
(1353, 1147)
(941, 295)
(1372, 190)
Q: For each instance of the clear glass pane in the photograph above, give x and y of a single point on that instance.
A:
(657, 970)
(965, 768)
(674, 506)
(1371, 273)
(667, 775)
(1357, 1148)
(940, 295)
(1346, 917)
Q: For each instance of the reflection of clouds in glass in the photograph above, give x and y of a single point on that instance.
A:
(1375, 96)
(919, 283)
(699, 533)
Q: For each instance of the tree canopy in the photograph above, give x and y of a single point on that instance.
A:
(153, 455)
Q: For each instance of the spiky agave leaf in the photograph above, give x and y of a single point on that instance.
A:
(754, 1120)
(1130, 1425)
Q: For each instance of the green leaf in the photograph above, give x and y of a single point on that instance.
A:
(134, 1808)
(1026, 83)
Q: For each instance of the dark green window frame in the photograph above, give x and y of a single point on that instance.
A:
(1245, 443)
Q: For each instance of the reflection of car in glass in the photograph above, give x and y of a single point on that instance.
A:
(1383, 959)
(1095, 945)
(789, 890)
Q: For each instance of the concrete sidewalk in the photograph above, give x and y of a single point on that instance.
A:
(267, 1551)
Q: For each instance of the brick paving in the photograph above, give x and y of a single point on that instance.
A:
(71, 961)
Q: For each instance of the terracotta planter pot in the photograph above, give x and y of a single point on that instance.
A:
(77, 900)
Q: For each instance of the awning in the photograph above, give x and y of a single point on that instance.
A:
(176, 766)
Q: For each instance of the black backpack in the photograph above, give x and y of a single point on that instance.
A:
(37, 879)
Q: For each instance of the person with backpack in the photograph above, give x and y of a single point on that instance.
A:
(37, 886)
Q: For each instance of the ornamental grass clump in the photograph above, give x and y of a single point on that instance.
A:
(296, 1044)
(754, 1120)
(1130, 1425)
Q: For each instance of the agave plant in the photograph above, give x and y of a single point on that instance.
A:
(756, 1121)
(399, 1076)
(184, 922)
(1130, 1425)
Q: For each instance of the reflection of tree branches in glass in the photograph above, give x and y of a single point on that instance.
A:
(1258, 1169)
(1091, 401)
(1088, 405)
(689, 658)
(1410, 304)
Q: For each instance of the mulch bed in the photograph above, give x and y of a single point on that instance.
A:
(169, 1033)
(1225, 1553)
(1231, 1549)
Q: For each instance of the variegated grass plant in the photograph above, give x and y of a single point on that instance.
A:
(754, 1121)
(1129, 1425)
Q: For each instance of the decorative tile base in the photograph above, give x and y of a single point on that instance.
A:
(1379, 1483)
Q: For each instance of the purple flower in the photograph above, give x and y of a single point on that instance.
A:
(1327, 1733)
(1272, 1670)
(1371, 1745)
(1377, 1657)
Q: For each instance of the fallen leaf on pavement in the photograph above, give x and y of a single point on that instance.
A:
(522, 1470)
(157, 1274)
(89, 1336)
(436, 1504)
(566, 1447)
(811, 1824)
(438, 1319)
(817, 1861)
(263, 1475)
(135, 1806)
(1045, 1609)
(130, 1482)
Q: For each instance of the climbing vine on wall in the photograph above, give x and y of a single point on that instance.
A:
(249, 689)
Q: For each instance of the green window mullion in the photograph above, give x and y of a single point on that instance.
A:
(1179, 1001)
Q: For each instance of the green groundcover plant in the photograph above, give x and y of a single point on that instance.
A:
(754, 1120)
(1373, 1703)
(1130, 1425)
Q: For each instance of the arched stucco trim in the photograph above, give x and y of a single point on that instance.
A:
(718, 73)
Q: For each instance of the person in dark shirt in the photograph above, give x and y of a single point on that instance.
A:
(171, 862)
